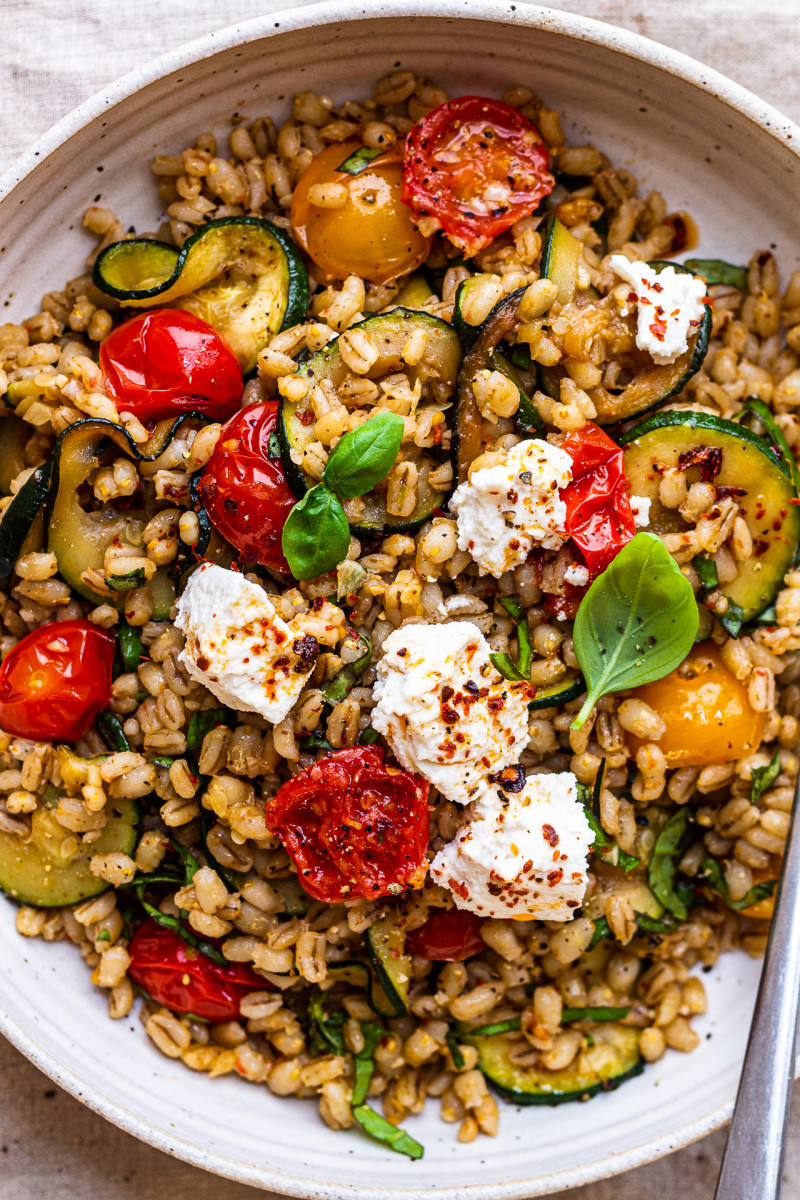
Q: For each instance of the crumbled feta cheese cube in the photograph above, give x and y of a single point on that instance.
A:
(577, 575)
(669, 305)
(238, 647)
(640, 507)
(503, 511)
(445, 711)
(520, 852)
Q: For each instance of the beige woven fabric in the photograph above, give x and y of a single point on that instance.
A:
(54, 56)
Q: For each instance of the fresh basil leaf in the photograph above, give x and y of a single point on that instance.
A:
(714, 270)
(273, 445)
(706, 570)
(764, 777)
(636, 623)
(364, 1061)
(504, 664)
(594, 1014)
(359, 160)
(363, 457)
(662, 866)
(129, 641)
(602, 929)
(111, 731)
(348, 676)
(497, 1027)
(316, 536)
(202, 722)
(454, 1046)
(383, 1131)
(732, 619)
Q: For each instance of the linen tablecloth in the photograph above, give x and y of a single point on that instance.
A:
(52, 56)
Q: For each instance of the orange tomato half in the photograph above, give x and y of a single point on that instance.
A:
(373, 234)
(706, 711)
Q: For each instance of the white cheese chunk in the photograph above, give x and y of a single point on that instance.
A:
(445, 711)
(238, 647)
(577, 575)
(503, 511)
(520, 853)
(669, 306)
(640, 507)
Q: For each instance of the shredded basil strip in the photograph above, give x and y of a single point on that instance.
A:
(594, 1014)
(130, 645)
(662, 866)
(732, 619)
(763, 778)
(202, 722)
(190, 864)
(505, 666)
(328, 1027)
(713, 873)
(359, 160)
(177, 926)
(383, 1131)
(497, 1027)
(311, 742)
(111, 731)
(364, 1061)
(454, 1046)
(347, 677)
(636, 623)
(706, 570)
(602, 930)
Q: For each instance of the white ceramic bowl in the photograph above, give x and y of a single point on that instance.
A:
(713, 149)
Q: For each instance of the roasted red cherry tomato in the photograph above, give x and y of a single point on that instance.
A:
(447, 936)
(599, 517)
(168, 361)
(184, 979)
(478, 166)
(353, 825)
(244, 487)
(56, 680)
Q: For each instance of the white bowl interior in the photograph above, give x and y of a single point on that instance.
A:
(676, 137)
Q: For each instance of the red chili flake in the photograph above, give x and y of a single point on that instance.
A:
(437, 435)
(496, 703)
(449, 715)
(306, 417)
(554, 877)
(724, 490)
(760, 547)
(550, 835)
(707, 458)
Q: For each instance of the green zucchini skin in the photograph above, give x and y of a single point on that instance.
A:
(21, 526)
(31, 872)
(747, 462)
(392, 966)
(561, 253)
(14, 437)
(468, 333)
(566, 689)
(198, 278)
(389, 331)
(529, 1086)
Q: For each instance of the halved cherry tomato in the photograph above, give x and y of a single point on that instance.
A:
(447, 936)
(56, 680)
(373, 234)
(353, 825)
(244, 487)
(168, 361)
(184, 979)
(478, 166)
(705, 708)
(599, 517)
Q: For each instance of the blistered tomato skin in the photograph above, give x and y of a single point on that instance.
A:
(244, 488)
(56, 680)
(184, 979)
(477, 165)
(447, 936)
(353, 826)
(706, 711)
(162, 363)
(373, 234)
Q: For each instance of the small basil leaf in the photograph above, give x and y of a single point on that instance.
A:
(383, 1131)
(363, 457)
(636, 623)
(764, 777)
(316, 536)
(714, 270)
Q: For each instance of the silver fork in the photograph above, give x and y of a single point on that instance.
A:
(751, 1164)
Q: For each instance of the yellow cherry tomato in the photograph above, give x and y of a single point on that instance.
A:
(706, 711)
(372, 233)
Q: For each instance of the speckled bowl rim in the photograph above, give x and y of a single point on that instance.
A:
(569, 25)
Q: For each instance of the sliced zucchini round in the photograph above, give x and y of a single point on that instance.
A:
(474, 433)
(386, 948)
(242, 275)
(467, 332)
(22, 523)
(614, 1057)
(437, 372)
(612, 881)
(561, 254)
(35, 870)
(569, 687)
(763, 489)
